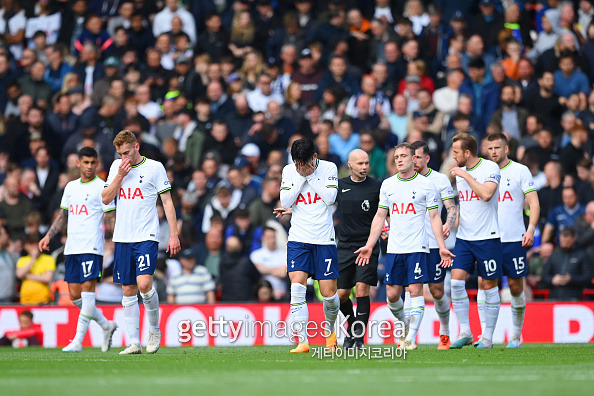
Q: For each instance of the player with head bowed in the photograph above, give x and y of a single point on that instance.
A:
(136, 182)
(516, 190)
(308, 191)
(358, 198)
(83, 212)
(406, 197)
(477, 181)
(437, 273)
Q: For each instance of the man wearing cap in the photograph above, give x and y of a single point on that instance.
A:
(307, 75)
(193, 285)
(488, 23)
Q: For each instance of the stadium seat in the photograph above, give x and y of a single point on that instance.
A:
(541, 293)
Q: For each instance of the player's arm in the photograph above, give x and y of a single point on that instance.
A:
(110, 218)
(376, 229)
(290, 188)
(326, 187)
(437, 228)
(533, 203)
(109, 193)
(58, 226)
(452, 216)
(173, 246)
(484, 191)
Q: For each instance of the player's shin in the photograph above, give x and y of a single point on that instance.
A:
(132, 318)
(461, 304)
(85, 316)
(299, 311)
(407, 305)
(151, 304)
(331, 307)
(397, 309)
(492, 305)
(518, 306)
(416, 316)
(480, 302)
(442, 307)
(347, 310)
(363, 308)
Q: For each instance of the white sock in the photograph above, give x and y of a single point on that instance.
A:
(299, 311)
(151, 305)
(518, 306)
(407, 305)
(85, 316)
(100, 318)
(442, 307)
(461, 304)
(331, 308)
(132, 318)
(78, 303)
(397, 309)
(492, 305)
(480, 302)
(416, 316)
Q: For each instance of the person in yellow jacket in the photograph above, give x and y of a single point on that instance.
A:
(36, 271)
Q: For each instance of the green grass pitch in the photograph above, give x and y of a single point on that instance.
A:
(536, 369)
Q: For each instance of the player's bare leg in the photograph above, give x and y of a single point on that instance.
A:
(396, 305)
(83, 296)
(518, 306)
(331, 308)
(461, 305)
(151, 306)
(442, 307)
(299, 311)
(132, 319)
(363, 309)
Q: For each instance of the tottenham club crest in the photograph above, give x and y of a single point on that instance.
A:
(365, 205)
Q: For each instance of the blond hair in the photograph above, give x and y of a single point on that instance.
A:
(124, 137)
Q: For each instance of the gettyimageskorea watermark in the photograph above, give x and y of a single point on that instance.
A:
(376, 352)
(221, 327)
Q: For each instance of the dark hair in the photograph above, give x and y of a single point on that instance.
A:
(498, 136)
(28, 314)
(476, 63)
(87, 152)
(419, 144)
(568, 231)
(303, 150)
(268, 229)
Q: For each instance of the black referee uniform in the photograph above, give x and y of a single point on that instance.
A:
(357, 205)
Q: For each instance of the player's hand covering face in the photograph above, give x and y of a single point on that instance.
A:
(306, 168)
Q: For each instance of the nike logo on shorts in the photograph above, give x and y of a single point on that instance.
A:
(328, 273)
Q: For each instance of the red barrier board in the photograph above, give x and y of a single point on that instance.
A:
(270, 324)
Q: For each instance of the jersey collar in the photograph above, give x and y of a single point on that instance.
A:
(140, 163)
(428, 173)
(508, 164)
(82, 182)
(409, 179)
(476, 166)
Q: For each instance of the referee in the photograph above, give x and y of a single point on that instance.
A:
(357, 198)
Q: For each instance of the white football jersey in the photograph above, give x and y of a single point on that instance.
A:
(407, 202)
(478, 219)
(444, 191)
(516, 181)
(136, 201)
(311, 201)
(85, 216)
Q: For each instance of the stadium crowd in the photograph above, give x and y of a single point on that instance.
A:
(217, 90)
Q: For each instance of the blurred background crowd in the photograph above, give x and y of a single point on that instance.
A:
(217, 90)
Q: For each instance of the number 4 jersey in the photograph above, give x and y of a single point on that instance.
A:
(136, 201)
(85, 216)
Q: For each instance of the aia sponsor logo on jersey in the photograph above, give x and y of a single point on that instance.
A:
(403, 208)
(78, 210)
(129, 194)
(465, 196)
(307, 199)
(506, 196)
